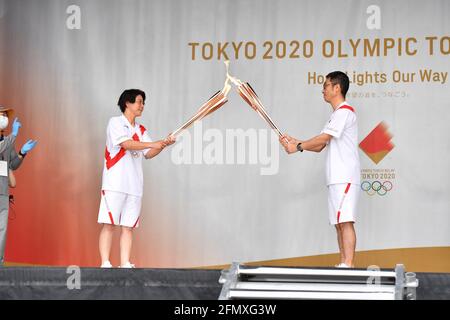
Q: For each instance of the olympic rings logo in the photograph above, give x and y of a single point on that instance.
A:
(376, 187)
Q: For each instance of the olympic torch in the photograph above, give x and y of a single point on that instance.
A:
(249, 95)
(213, 104)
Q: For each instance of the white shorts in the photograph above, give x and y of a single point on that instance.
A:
(342, 200)
(119, 209)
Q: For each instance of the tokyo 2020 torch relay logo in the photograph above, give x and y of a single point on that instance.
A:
(376, 145)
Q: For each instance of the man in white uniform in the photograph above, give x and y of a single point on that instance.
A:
(127, 143)
(340, 134)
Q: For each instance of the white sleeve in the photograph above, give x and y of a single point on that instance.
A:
(117, 132)
(336, 124)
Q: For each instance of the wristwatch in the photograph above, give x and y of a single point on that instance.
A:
(299, 147)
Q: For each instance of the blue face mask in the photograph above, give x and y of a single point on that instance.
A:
(3, 122)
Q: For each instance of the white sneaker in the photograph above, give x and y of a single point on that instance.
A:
(342, 265)
(106, 264)
(127, 265)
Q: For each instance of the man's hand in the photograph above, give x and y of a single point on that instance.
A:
(28, 146)
(15, 127)
(289, 143)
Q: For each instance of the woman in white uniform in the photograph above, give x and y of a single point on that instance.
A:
(127, 144)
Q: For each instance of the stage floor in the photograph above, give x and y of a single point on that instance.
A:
(155, 284)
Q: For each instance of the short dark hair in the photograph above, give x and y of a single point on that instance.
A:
(340, 78)
(129, 95)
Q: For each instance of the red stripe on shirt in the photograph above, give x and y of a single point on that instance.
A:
(347, 107)
(142, 128)
(112, 161)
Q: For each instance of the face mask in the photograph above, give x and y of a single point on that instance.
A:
(3, 122)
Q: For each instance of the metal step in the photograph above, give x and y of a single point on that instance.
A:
(265, 294)
(247, 282)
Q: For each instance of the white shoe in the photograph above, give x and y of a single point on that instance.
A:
(106, 264)
(127, 265)
(341, 265)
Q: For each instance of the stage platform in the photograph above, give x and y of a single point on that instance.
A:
(155, 284)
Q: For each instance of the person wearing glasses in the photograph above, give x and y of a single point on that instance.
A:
(340, 138)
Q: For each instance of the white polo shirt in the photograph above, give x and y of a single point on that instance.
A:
(342, 161)
(122, 170)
